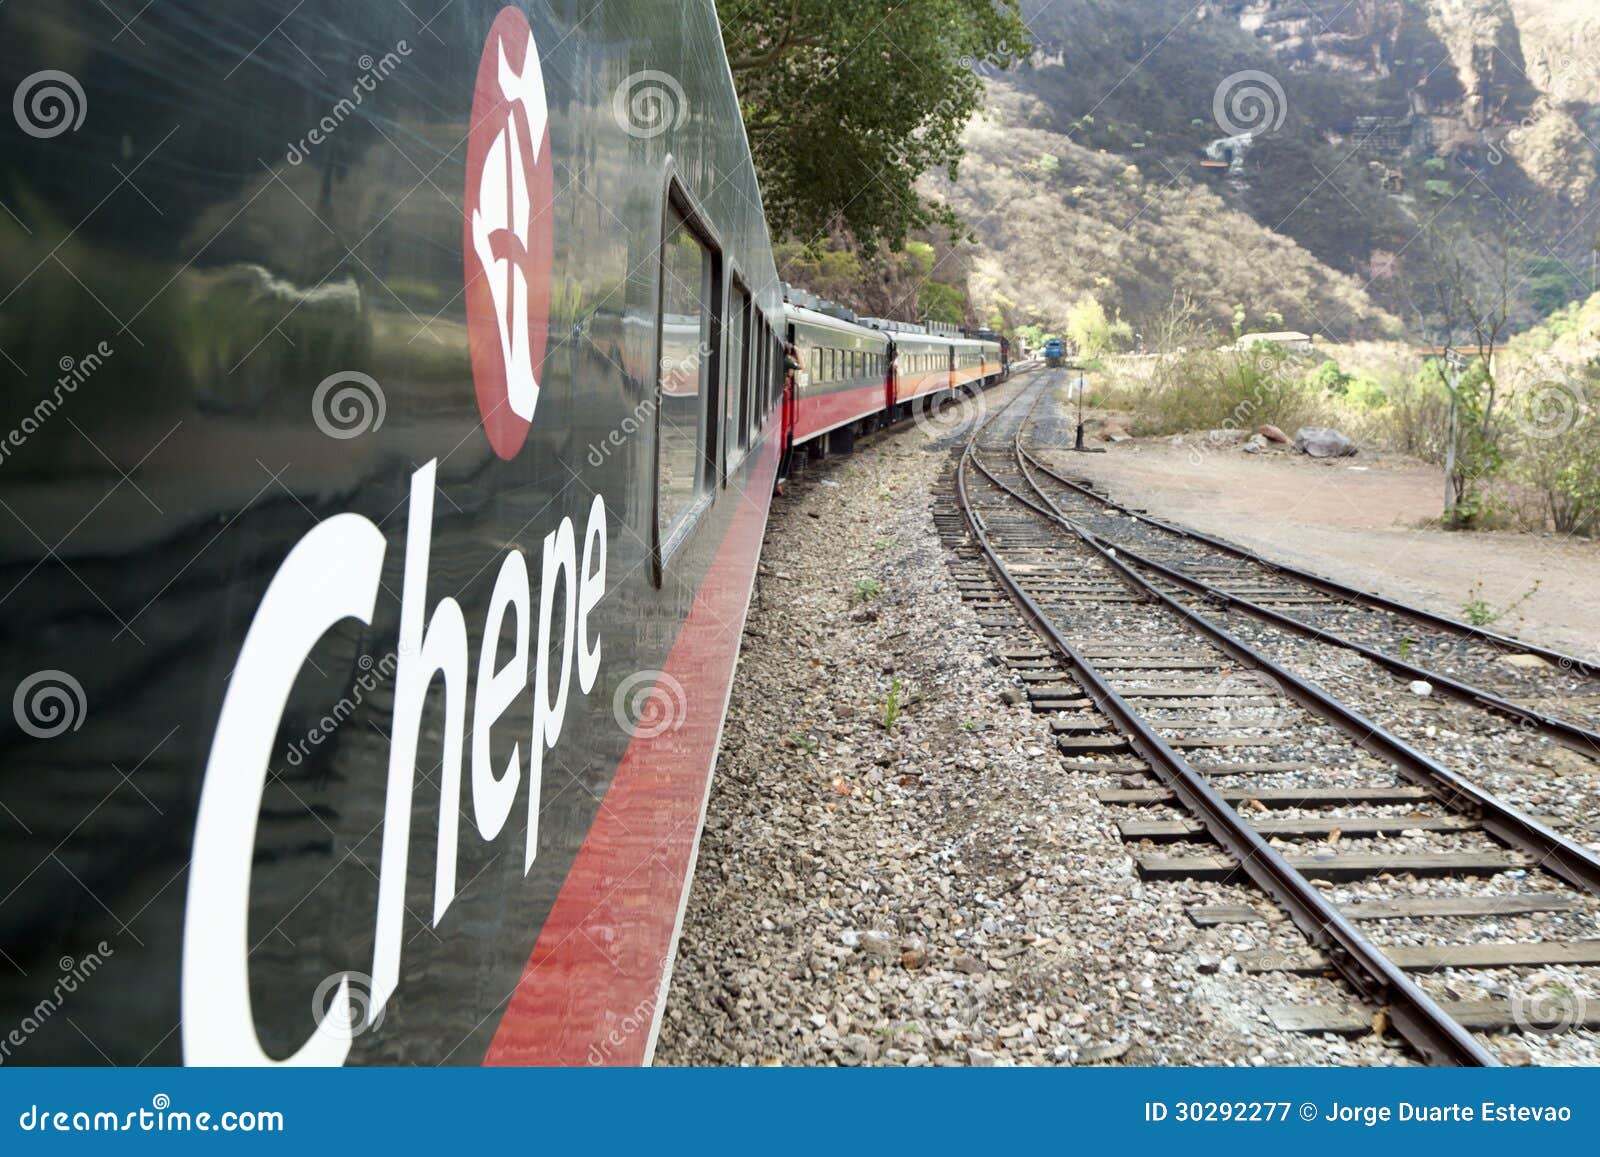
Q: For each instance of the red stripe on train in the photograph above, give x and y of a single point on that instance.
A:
(590, 990)
(820, 412)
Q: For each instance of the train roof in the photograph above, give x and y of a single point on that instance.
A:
(828, 321)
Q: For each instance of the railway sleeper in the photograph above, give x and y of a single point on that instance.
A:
(1401, 908)
(1333, 867)
(1477, 1015)
(1431, 957)
(1310, 828)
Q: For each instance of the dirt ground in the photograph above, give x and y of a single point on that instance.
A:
(1361, 521)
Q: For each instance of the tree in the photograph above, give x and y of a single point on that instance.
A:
(1092, 331)
(937, 301)
(848, 102)
(1463, 304)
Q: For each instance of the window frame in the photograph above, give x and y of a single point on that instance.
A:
(735, 441)
(667, 541)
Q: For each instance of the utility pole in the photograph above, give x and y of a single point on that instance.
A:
(1453, 362)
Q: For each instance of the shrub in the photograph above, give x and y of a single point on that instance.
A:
(1229, 390)
(1561, 462)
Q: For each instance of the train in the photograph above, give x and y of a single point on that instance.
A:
(394, 403)
(1054, 351)
(857, 373)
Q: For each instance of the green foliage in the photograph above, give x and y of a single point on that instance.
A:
(1558, 455)
(832, 273)
(1481, 613)
(1092, 332)
(938, 301)
(1435, 165)
(1479, 453)
(840, 122)
(1437, 188)
(891, 706)
(1328, 378)
(1550, 285)
(1366, 393)
(1226, 389)
(868, 589)
(1049, 164)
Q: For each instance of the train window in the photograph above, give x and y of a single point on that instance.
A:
(687, 290)
(736, 376)
(816, 367)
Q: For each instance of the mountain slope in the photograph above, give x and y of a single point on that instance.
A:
(1346, 129)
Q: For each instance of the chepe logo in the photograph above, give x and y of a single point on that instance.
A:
(509, 231)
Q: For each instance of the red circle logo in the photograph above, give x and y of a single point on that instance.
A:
(509, 234)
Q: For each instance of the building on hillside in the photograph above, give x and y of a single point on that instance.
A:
(1291, 341)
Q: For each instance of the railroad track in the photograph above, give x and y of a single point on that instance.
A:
(1550, 692)
(1215, 743)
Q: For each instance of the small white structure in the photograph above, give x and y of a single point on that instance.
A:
(1291, 340)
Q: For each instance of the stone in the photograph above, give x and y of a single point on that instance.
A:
(1321, 442)
(1255, 445)
(1273, 434)
(1525, 662)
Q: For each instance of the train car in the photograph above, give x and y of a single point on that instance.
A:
(921, 366)
(1054, 351)
(974, 362)
(843, 376)
(391, 405)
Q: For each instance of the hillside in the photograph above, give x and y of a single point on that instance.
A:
(1284, 157)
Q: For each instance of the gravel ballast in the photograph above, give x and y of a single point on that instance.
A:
(897, 869)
